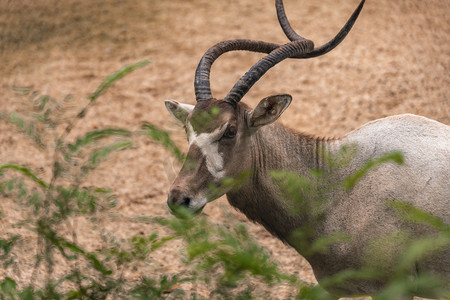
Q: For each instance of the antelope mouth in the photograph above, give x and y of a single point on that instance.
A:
(183, 211)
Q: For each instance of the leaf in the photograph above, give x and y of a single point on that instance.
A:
(25, 171)
(158, 244)
(321, 244)
(8, 285)
(97, 135)
(412, 214)
(27, 294)
(98, 154)
(28, 128)
(22, 90)
(41, 102)
(163, 138)
(116, 76)
(6, 245)
(97, 264)
(62, 244)
(421, 248)
(394, 156)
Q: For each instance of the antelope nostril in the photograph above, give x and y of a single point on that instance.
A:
(179, 198)
(185, 201)
(182, 204)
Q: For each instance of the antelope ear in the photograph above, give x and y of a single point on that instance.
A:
(179, 111)
(268, 110)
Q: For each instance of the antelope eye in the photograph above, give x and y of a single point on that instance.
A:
(230, 132)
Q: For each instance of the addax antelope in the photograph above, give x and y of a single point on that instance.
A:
(227, 138)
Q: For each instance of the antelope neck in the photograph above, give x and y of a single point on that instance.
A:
(273, 147)
(282, 149)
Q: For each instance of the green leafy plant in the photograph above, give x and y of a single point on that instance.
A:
(52, 205)
(223, 256)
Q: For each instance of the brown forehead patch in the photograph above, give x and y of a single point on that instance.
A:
(207, 116)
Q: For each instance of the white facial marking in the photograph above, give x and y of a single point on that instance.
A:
(209, 145)
(197, 203)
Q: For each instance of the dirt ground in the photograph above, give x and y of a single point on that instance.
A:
(395, 60)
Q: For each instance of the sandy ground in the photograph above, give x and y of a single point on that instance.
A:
(395, 60)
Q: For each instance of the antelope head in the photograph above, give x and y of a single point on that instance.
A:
(219, 131)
